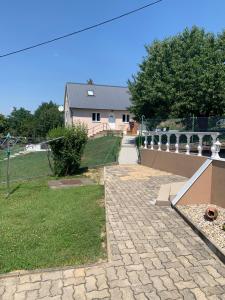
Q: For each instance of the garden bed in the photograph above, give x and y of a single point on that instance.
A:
(211, 229)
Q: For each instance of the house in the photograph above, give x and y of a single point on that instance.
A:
(100, 107)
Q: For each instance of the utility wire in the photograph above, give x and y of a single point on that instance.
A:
(81, 30)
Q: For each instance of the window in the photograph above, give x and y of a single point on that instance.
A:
(96, 117)
(90, 93)
(126, 118)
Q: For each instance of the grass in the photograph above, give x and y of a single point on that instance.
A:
(14, 149)
(42, 228)
(99, 151)
(26, 166)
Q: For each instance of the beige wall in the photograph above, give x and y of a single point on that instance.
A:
(176, 163)
(209, 186)
(85, 116)
(200, 191)
(218, 183)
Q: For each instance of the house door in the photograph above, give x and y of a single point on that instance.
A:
(112, 121)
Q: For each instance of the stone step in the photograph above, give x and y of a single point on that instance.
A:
(167, 192)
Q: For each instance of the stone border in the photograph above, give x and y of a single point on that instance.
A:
(216, 249)
(108, 253)
(53, 269)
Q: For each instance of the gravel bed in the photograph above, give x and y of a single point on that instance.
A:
(212, 229)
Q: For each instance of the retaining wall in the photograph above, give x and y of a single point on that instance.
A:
(208, 188)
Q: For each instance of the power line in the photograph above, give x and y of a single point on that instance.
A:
(80, 30)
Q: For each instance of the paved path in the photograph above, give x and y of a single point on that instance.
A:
(128, 153)
(153, 254)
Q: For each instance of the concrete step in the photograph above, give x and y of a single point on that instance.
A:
(167, 192)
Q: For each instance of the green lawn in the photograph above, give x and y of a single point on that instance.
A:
(26, 166)
(41, 228)
(99, 151)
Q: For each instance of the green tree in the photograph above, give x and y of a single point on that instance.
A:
(47, 117)
(3, 125)
(181, 76)
(21, 122)
(67, 147)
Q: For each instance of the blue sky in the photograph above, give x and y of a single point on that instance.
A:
(108, 55)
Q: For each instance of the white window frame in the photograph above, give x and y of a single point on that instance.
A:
(127, 118)
(94, 117)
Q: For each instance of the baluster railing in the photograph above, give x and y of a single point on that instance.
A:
(188, 144)
(152, 142)
(168, 143)
(177, 143)
(215, 148)
(200, 145)
(146, 140)
(159, 142)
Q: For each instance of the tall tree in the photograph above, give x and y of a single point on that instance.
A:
(3, 125)
(47, 116)
(181, 76)
(21, 122)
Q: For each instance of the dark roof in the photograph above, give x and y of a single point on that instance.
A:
(105, 96)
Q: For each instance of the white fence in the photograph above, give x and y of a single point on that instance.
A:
(215, 143)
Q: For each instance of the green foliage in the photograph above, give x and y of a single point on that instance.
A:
(21, 122)
(181, 76)
(43, 228)
(68, 148)
(3, 125)
(47, 117)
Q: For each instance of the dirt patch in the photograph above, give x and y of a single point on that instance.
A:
(140, 172)
(70, 182)
(97, 175)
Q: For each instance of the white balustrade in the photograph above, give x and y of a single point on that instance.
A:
(188, 144)
(168, 143)
(159, 142)
(200, 145)
(177, 143)
(152, 142)
(146, 140)
(215, 148)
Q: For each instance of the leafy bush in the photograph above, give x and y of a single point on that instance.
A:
(67, 148)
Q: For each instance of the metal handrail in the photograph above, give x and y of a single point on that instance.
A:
(103, 126)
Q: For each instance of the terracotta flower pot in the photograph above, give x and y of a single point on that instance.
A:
(211, 213)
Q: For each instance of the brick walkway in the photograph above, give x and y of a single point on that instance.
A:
(153, 254)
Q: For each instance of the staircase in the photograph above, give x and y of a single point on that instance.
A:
(102, 129)
(97, 129)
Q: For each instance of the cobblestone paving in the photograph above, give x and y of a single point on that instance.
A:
(153, 254)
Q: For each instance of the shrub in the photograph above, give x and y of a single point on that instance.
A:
(67, 151)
